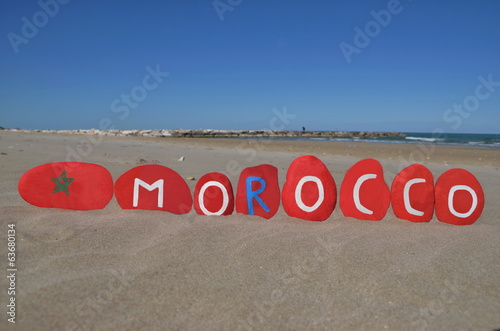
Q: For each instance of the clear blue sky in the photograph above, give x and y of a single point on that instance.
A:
(231, 73)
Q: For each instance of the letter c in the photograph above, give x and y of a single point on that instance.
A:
(355, 193)
(406, 196)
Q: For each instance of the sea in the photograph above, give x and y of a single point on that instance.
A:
(457, 139)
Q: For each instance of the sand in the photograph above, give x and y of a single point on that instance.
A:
(121, 270)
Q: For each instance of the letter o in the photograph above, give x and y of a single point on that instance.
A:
(298, 191)
(452, 194)
(225, 198)
(447, 198)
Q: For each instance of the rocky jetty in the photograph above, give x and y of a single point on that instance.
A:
(204, 133)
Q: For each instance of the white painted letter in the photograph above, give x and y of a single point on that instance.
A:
(156, 185)
(225, 198)
(298, 195)
(450, 200)
(355, 193)
(406, 196)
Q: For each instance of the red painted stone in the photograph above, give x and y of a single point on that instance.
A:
(459, 197)
(258, 191)
(309, 192)
(364, 194)
(412, 194)
(153, 187)
(67, 185)
(213, 195)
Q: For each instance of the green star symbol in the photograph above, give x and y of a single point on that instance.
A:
(62, 183)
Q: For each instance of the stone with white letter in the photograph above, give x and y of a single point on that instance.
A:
(153, 187)
(364, 194)
(412, 194)
(459, 197)
(213, 195)
(310, 192)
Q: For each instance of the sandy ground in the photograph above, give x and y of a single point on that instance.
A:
(121, 270)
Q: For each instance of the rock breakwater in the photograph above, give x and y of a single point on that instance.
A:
(205, 133)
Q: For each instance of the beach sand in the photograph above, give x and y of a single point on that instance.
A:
(121, 269)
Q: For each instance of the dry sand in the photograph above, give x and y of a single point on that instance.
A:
(121, 270)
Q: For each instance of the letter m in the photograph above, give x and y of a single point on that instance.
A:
(156, 185)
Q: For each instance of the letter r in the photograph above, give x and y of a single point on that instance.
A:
(255, 194)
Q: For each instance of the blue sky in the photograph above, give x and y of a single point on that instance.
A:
(229, 67)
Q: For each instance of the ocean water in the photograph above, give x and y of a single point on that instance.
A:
(464, 139)
(460, 139)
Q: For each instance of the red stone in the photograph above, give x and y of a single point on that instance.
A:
(88, 186)
(412, 194)
(309, 192)
(258, 191)
(156, 188)
(465, 193)
(217, 197)
(364, 194)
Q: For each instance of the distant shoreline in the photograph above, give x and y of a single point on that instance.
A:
(399, 148)
(411, 138)
(208, 133)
